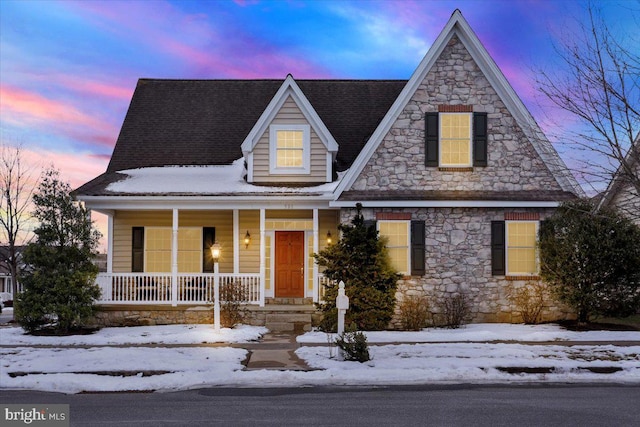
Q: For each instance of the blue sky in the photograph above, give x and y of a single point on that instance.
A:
(68, 68)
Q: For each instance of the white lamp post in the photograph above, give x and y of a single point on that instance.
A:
(215, 254)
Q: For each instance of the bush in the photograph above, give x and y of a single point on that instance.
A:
(360, 259)
(414, 312)
(353, 344)
(455, 310)
(529, 300)
(59, 281)
(590, 259)
(232, 304)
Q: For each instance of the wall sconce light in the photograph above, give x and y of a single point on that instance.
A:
(329, 238)
(215, 251)
(247, 240)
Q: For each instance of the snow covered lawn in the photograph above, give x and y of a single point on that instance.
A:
(429, 356)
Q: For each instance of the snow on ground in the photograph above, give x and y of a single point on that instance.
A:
(72, 370)
(483, 332)
(167, 334)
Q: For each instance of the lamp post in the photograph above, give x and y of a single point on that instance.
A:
(215, 254)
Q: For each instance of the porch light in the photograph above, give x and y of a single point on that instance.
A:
(247, 240)
(329, 238)
(215, 251)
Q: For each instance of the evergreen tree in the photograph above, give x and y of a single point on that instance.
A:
(591, 260)
(360, 259)
(59, 284)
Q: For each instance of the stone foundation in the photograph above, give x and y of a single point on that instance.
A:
(127, 315)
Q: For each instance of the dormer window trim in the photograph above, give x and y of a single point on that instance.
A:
(274, 149)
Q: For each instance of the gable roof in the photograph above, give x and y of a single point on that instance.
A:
(204, 122)
(289, 88)
(618, 180)
(458, 26)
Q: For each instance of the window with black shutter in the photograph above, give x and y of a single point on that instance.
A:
(431, 140)
(137, 249)
(418, 236)
(498, 264)
(479, 139)
(208, 239)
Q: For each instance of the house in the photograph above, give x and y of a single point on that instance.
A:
(621, 192)
(450, 165)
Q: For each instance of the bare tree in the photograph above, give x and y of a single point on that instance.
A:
(17, 184)
(598, 82)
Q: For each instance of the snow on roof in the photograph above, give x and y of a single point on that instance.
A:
(209, 180)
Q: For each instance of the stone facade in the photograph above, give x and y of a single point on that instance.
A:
(152, 315)
(455, 79)
(458, 261)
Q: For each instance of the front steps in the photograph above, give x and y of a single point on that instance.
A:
(295, 315)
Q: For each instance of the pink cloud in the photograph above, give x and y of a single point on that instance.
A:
(211, 49)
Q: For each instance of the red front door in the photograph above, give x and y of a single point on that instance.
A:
(289, 264)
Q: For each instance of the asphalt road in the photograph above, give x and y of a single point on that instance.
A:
(454, 405)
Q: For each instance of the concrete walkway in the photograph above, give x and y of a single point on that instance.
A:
(275, 351)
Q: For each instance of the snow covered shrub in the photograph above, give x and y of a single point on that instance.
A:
(414, 312)
(529, 300)
(455, 310)
(353, 344)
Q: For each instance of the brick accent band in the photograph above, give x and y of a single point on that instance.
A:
(399, 216)
(443, 169)
(455, 108)
(522, 216)
(526, 278)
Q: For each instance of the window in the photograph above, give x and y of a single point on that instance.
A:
(521, 248)
(157, 250)
(397, 234)
(290, 149)
(455, 139)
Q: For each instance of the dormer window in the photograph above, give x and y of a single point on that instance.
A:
(289, 149)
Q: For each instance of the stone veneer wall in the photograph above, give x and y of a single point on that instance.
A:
(141, 315)
(455, 79)
(458, 260)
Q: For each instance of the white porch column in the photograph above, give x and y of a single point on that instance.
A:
(174, 259)
(236, 241)
(110, 242)
(315, 251)
(263, 252)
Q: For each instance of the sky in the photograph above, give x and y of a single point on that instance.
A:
(68, 69)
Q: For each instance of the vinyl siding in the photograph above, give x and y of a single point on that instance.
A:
(290, 114)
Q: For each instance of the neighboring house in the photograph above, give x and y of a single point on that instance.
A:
(6, 281)
(621, 192)
(450, 165)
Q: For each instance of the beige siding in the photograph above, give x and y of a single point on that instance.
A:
(328, 220)
(289, 214)
(250, 257)
(123, 221)
(290, 114)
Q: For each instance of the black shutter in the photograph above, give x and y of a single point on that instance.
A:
(137, 249)
(498, 267)
(418, 235)
(431, 139)
(208, 239)
(479, 139)
(370, 223)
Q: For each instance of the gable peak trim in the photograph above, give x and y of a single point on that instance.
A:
(289, 88)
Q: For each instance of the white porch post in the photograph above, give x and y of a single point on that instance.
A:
(262, 257)
(315, 251)
(110, 242)
(236, 241)
(174, 260)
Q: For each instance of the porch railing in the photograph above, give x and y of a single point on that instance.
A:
(192, 288)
